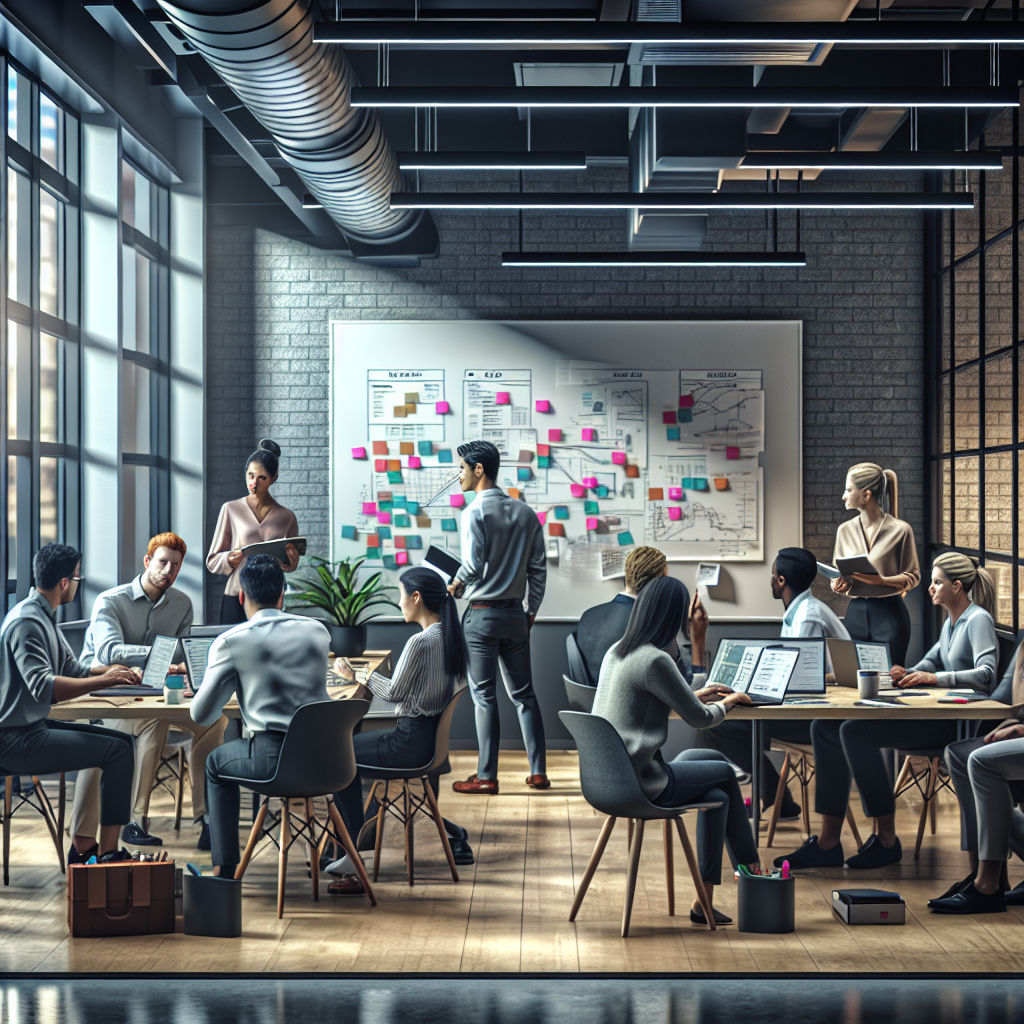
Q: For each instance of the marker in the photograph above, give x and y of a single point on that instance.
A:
(785, 869)
(195, 871)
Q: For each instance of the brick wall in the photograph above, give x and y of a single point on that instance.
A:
(269, 301)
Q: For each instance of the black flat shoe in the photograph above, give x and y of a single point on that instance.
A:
(74, 857)
(697, 916)
(462, 852)
(811, 855)
(955, 888)
(874, 855)
(114, 856)
(970, 901)
(1015, 896)
(135, 835)
(204, 837)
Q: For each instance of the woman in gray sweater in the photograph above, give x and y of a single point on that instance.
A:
(640, 684)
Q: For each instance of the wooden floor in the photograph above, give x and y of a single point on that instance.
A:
(509, 911)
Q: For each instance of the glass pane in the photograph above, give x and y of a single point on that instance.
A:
(944, 500)
(966, 222)
(135, 426)
(999, 295)
(51, 238)
(999, 184)
(966, 316)
(19, 237)
(999, 400)
(48, 495)
(965, 501)
(51, 132)
(1002, 577)
(135, 507)
(19, 367)
(19, 108)
(127, 193)
(966, 414)
(999, 503)
(944, 328)
(142, 204)
(12, 517)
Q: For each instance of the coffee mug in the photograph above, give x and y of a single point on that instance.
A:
(173, 695)
(867, 684)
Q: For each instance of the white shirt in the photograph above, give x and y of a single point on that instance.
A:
(807, 616)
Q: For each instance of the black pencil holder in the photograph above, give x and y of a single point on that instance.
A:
(766, 904)
(213, 906)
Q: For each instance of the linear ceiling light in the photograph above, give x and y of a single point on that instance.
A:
(857, 160)
(653, 259)
(682, 201)
(504, 161)
(744, 97)
(938, 34)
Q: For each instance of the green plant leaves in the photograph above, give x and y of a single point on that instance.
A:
(334, 590)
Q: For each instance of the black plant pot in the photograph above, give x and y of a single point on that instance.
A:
(348, 641)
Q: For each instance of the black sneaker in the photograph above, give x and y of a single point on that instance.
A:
(790, 811)
(969, 901)
(811, 855)
(135, 835)
(74, 857)
(874, 855)
(462, 852)
(204, 837)
(954, 889)
(114, 856)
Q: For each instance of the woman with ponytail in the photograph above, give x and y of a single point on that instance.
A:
(877, 611)
(964, 656)
(431, 669)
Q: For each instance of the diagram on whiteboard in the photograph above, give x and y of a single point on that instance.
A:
(720, 409)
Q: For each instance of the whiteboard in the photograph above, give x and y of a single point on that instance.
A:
(492, 375)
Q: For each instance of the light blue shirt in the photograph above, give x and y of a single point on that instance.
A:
(807, 616)
(966, 654)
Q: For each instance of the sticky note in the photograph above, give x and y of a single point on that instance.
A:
(412, 398)
(406, 448)
(672, 433)
(394, 476)
(524, 473)
(348, 533)
(372, 541)
(412, 506)
(449, 525)
(414, 543)
(554, 435)
(668, 417)
(380, 465)
(384, 532)
(358, 453)
(561, 512)
(556, 530)
(675, 494)
(602, 491)
(384, 518)
(675, 512)
(394, 465)
(372, 552)
(589, 434)
(525, 455)
(577, 490)
(414, 462)
(626, 538)
(543, 449)
(655, 494)
(514, 493)
(688, 482)
(401, 558)
(380, 448)
(543, 462)
(383, 496)
(542, 405)
(542, 517)
(423, 522)
(700, 483)
(591, 522)
(456, 500)
(619, 458)
(385, 506)
(425, 447)
(633, 471)
(732, 453)
(410, 409)
(685, 415)
(398, 501)
(686, 401)
(369, 508)
(590, 482)
(591, 508)
(402, 520)
(390, 562)
(400, 412)
(444, 455)
(502, 398)
(441, 408)
(399, 542)
(721, 483)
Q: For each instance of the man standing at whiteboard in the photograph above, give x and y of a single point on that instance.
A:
(504, 569)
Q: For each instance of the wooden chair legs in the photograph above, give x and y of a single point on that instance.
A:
(179, 793)
(284, 842)
(631, 871)
(779, 793)
(38, 801)
(698, 882)
(929, 798)
(254, 835)
(8, 789)
(595, 859)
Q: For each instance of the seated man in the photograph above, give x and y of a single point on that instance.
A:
(793, 571)
(125, 622)
(37, 669)
(601, 626)
(276, 663)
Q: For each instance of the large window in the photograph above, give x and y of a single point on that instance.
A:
(973, 366)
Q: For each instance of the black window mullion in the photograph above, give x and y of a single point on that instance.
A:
(951, 282)
(35, 480)
(1015, 370)
(982, 207)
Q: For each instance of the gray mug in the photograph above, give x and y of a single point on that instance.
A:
(867, 684)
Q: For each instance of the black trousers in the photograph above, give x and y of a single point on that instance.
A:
(47, 747)
(231, 611)
(734, 738)
(883, 620)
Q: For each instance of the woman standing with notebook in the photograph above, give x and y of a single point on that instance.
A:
(250, 520)
(877, 610)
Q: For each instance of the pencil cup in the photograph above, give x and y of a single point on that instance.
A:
(766, 904)
(867, 684)
(213, 906)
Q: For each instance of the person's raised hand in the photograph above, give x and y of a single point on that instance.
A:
(841, 585)
(698, 619)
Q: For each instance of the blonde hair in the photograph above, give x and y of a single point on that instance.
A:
(968, 571)
(643, 565)
(882, 484)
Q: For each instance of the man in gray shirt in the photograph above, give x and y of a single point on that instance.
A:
(38, 669)
(504, 568)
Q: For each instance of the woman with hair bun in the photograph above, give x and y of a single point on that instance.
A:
(877, 611)
(250, 520)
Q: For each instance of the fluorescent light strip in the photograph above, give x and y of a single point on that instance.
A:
(682, 201)
(738, 97)
(497, 161)
(653, 259)
(971, 160)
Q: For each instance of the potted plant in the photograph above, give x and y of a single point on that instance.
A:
(335, 591)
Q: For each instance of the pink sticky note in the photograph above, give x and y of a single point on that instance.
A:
(732, 453)
(441, 408)
(668, 417)
(380, 465)
(554, 435)
(401, 558)
(675, 512)
(686, 401)
(591, 522)
(543, 405)
(503, 398)
(675, 494)
(578, 490)
(543, 517)
(414, 462)
(384, 518)
(456, 500)
(358, 453)
(590, 482)
(369, 508)
(619, 458)
(589, 434)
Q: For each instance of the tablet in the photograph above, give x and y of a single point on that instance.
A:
(197, 651)
(809, 677)
(161, 655)
(772, 674)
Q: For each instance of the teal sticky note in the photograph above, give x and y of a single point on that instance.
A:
(401, 520)
(700, 483)
(685, 415)
(373, 552)
(449, 525)
(398, 501)
(389, 562)
(673, 433)
(444, 455)
(414, 542)
(425, 447)
(543, 461)
(561, 512)
(688, 483)
(384, 532)
(413, 507)
(524, 473)
(624, 538)
(602, 491)
(348, 533)
(394, 476)
(591, 508)
(385, 506)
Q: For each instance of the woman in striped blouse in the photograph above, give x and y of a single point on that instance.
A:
(431, 668)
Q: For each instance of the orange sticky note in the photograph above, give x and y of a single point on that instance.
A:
(399, 542)
(406, 448)
(513, 493)
(632, 471)
(655, 493)
(380, 448)
(394, 466)
(556, 530)
(401, 411)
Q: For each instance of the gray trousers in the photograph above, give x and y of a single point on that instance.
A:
(990, 823)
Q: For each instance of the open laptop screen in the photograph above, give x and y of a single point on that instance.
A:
(809, 676)
(161, 654)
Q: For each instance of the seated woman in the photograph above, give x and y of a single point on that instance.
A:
(640, 685)
(964, 656)
(431, 668)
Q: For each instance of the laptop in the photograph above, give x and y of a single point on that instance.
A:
(849, 656)
(808, 679)
(211, 631)
(197, 651)
(764, 673)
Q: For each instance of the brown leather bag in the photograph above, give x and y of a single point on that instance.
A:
(125, 898)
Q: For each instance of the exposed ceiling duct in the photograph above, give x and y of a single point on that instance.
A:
(299, 91)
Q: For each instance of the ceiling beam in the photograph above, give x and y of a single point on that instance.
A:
(496, 161)
(888, 160)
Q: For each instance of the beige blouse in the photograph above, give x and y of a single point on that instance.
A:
(237, 527)
(891, 552)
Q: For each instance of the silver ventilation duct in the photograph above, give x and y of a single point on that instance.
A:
(299, 91)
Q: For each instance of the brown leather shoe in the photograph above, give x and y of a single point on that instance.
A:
(474, 784)
(538, 782)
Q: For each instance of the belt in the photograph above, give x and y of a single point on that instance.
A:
(496, 604)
